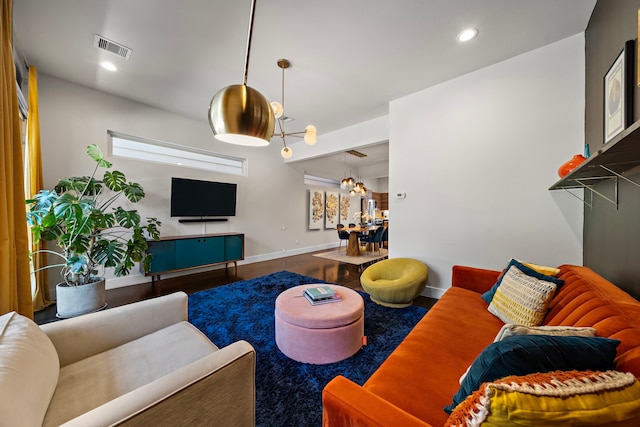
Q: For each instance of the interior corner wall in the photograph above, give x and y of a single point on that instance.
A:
(475, 157)
(272, 199)
(611, 235)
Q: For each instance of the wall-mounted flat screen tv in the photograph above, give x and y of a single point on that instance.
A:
(195, 198)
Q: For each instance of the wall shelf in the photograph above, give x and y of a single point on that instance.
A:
(616, 160)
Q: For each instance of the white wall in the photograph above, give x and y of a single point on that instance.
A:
(476, 156)
(272, 200)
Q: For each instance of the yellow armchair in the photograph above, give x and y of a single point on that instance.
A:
(395, 282)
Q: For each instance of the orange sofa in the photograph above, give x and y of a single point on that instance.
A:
(421, 376)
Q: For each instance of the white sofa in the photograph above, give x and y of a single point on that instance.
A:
(138, 364)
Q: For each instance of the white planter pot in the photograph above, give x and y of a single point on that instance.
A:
(76, 300)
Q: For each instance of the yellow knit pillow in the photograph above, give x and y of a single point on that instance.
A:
(566, 398)
(522, 299)
(543, 269)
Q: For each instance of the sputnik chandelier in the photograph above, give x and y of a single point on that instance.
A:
(309, 133)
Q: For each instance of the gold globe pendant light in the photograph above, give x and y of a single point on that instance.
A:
(239, 114)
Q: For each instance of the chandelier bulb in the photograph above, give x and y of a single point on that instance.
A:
(277, 108)
(310, 135)
(286, 152)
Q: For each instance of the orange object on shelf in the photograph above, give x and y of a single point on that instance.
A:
(573, 163)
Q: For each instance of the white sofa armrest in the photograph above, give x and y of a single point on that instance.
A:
(83, 336)
(218, 389)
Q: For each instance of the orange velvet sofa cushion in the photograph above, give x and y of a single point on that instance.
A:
(420, 377)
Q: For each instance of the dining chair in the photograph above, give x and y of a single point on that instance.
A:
(342, 235)
(385, 237)
(376, 237)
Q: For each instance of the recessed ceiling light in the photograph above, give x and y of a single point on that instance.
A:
(108, 66)
(467, 35)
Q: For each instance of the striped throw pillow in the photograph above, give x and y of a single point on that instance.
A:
(521, 298)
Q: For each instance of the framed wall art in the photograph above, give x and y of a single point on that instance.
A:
(345, 209)
(618, 93)
(331, 210)
(316, 209)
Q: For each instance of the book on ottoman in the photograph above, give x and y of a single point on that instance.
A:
(320, 293)
(334, 298)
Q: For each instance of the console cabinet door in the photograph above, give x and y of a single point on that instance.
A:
(164, 255)
(233, 248)
(199, 251)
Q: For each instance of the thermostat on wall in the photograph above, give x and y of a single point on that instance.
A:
(401, 195)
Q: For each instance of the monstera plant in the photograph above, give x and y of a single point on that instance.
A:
(92, 233)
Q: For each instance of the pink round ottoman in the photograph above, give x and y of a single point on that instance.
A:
(319, 334)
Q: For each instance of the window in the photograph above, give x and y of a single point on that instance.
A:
(134, 147)
(322, 182)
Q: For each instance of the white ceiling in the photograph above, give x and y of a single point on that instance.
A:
(350, 58)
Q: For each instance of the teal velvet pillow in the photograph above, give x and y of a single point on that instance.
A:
(488, 296)
(527, 354)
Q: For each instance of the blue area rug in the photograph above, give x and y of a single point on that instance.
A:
(289, 393)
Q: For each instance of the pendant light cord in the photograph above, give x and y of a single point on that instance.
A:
(281, 118)
(249, 35)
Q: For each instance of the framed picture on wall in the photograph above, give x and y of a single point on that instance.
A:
(345, 209)
(316, 209)
(331, 210)
(618, 93)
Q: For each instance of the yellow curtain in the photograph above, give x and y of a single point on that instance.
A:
(15, 283)
(41, 296)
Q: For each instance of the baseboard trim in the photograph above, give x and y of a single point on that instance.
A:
(431, 292)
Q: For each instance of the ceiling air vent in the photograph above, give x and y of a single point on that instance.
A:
(111, 47)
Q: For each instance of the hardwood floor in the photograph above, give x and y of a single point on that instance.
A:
(327, 270)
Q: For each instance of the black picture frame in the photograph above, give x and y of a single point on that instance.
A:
(618, 93)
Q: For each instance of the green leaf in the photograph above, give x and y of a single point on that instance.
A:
(49, 234)
(153, 228)
(134, 192)
(81, 185)
(102, 220)
(137, 245)
(121, 270)
(35, 231)
(108, 252)
(127, 219)
(49, 220)
(146, 263)
(95, 152)
(76, 243)
(42, 202)
(33, 219)
(67, 207)
(114, 180)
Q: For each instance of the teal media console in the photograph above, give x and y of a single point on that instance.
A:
(177, 253)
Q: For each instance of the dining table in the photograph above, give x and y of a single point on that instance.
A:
(353, 245)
